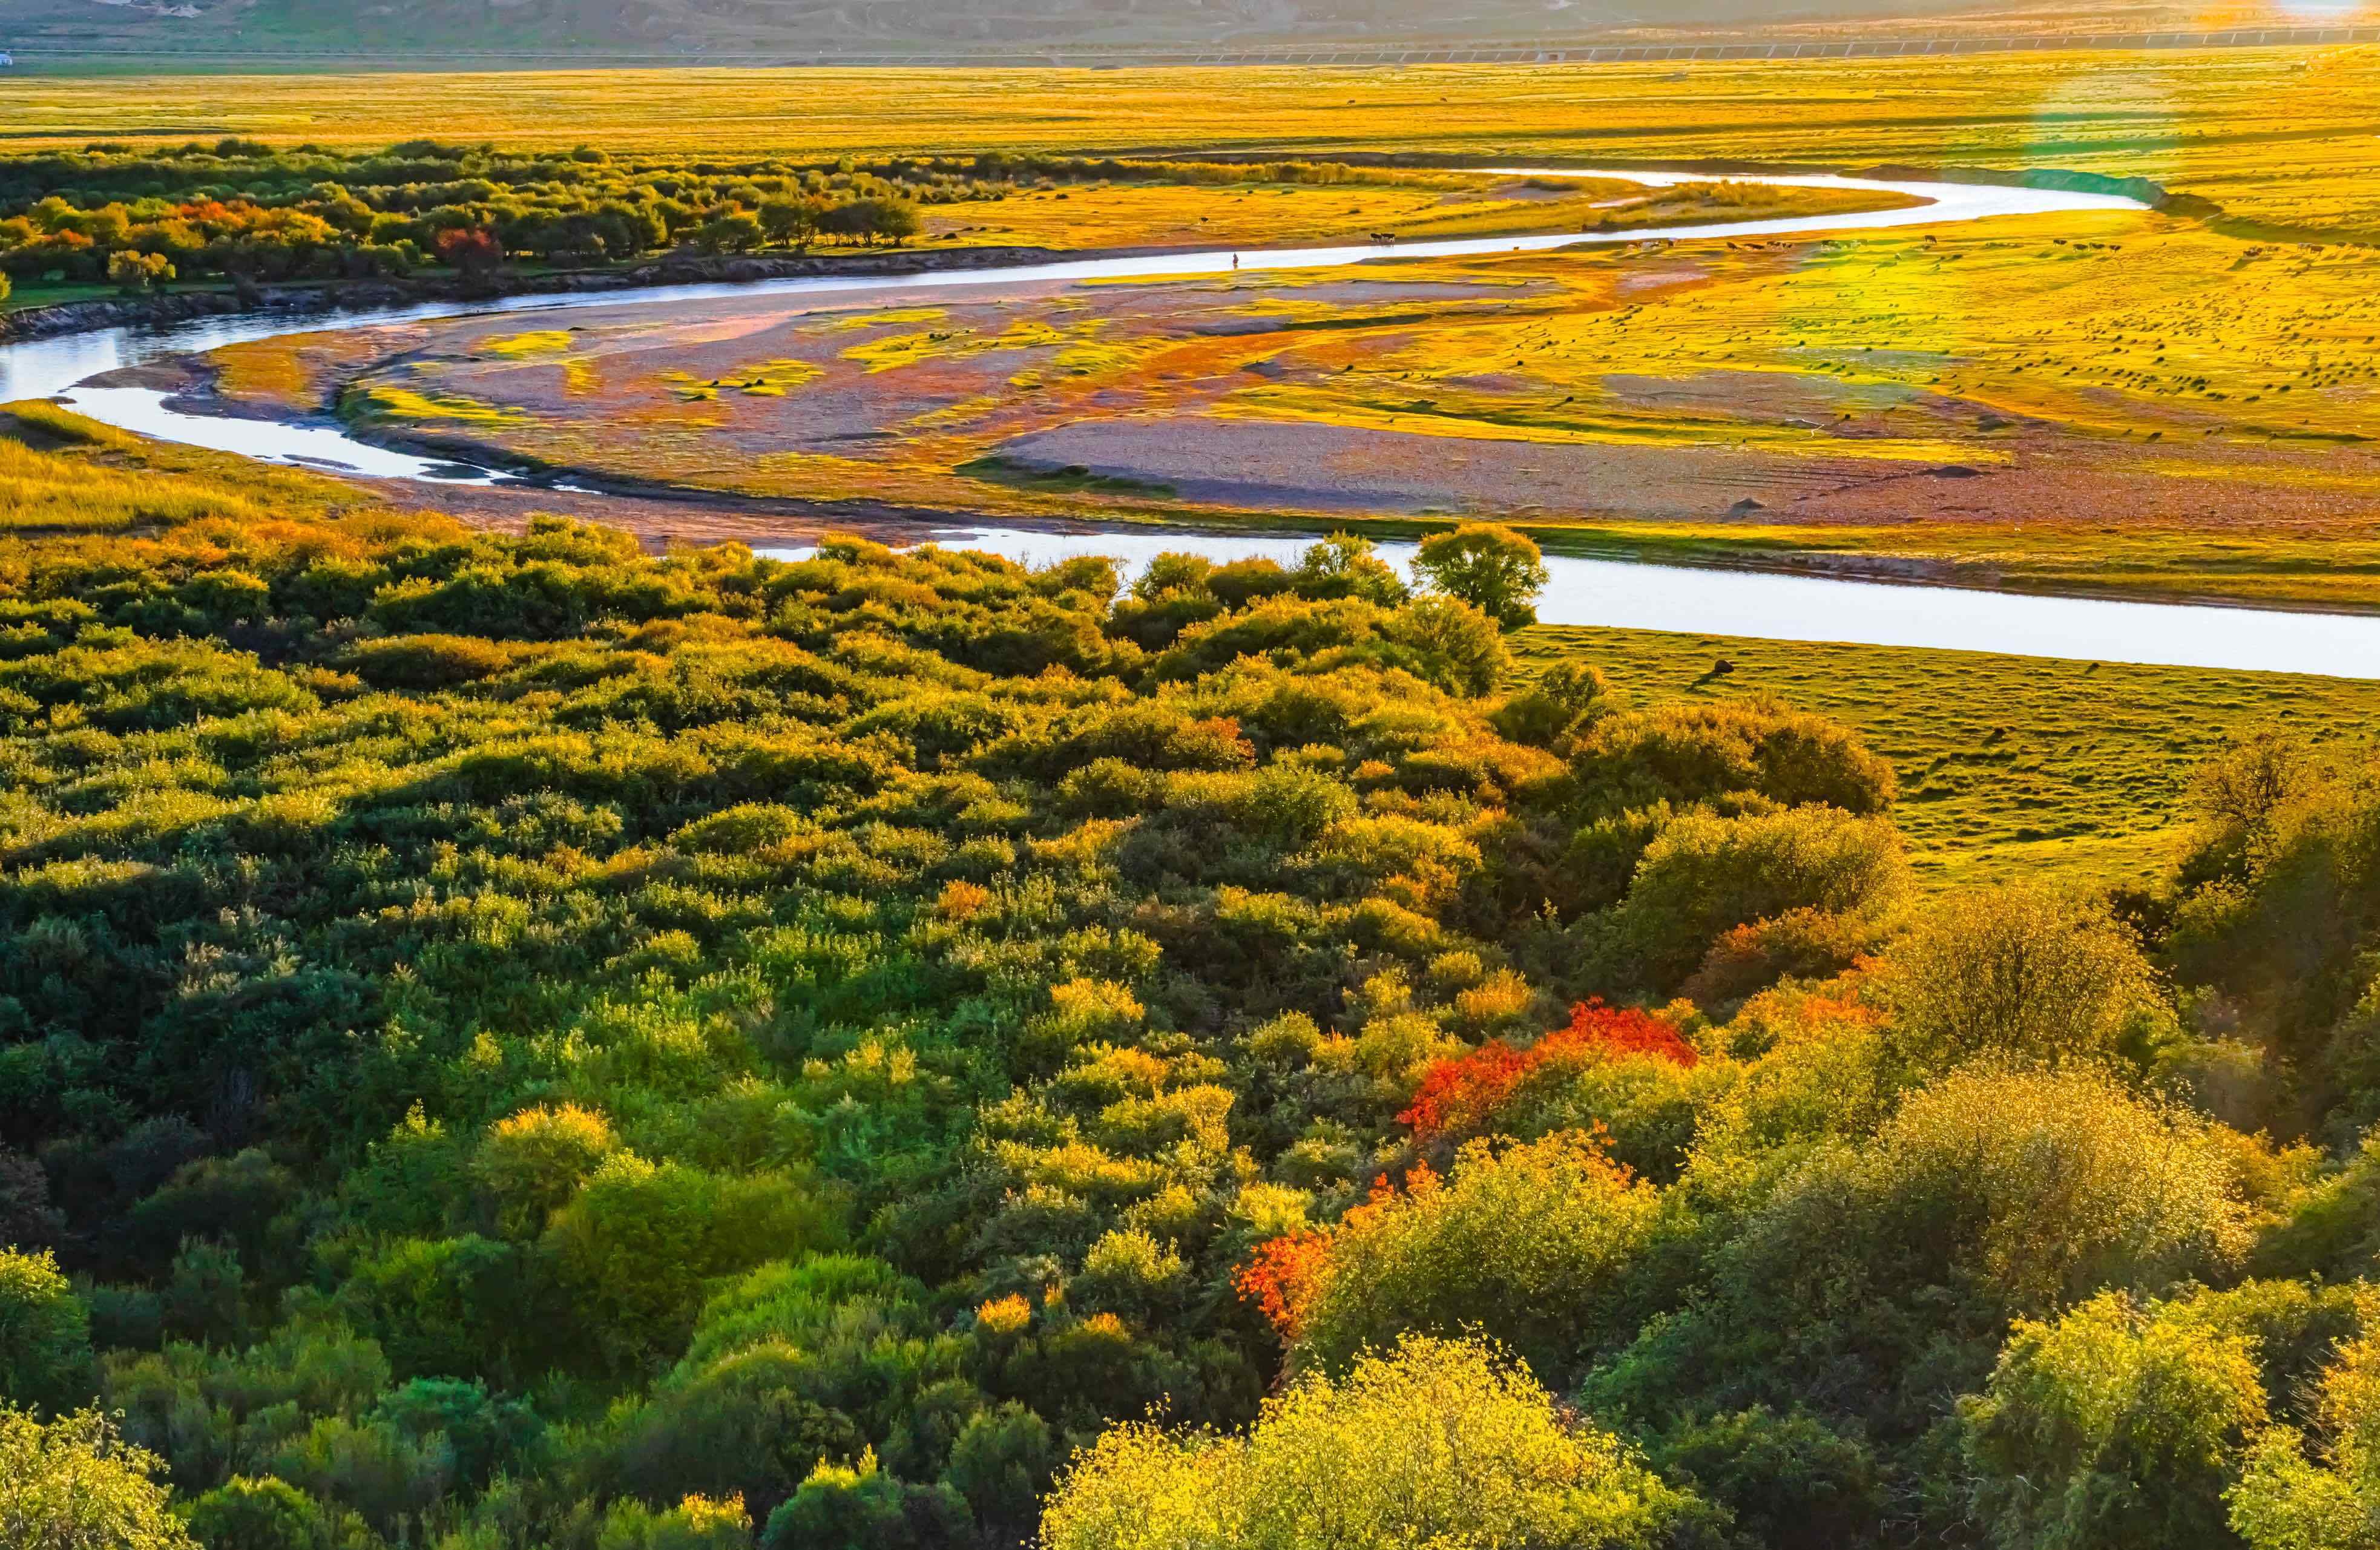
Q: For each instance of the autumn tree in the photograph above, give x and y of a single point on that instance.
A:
(74, 1483)
(1494, 569)
(474, 250)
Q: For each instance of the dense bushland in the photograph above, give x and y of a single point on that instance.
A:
(509, 1041)
(240, 210)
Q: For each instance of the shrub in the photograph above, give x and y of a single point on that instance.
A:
(1698, 752)
(248, 1513)
(530, 1165)
(1494, 569)
(453, 1305)
(1802, 944)
(1465, 1096)
(2279, 917)
(27, 1219)
(695, 1523)
(76, 1485)
(1789, 1482)
(231, 1200)
(2113, 1426)
(1430, 1442)
(428, 661)
(1866, 1277)
(206, 1294)
(744, 1426)
(1626, 1076)
(1569, 699)
(134, 273)
(2019, 973)
(1450, 642)
(1001, 1463)
(2035, 1189)
(1524, 1243)
(1343, 565)
(46, 1360)
(2313, 1487)
(639, 1241)
(1704, 876)
(860, 1508)
(484, 1434)
(1129, 1272)
(387, 1476)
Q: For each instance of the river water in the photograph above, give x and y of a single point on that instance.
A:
(1580, 591)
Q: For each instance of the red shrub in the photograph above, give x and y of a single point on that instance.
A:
(1282, 1277)
(470, 249)
(1287, 1271)
(1464, 1094)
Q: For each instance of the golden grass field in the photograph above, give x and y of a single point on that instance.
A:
(2281, 135)
(2168, 404)
(2119, 402)
(1413, 206)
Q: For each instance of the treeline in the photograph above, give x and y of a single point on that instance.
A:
(507, 1041)
(243, 210)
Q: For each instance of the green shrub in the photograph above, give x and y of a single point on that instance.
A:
(1790, 1481)
(1704, 875)
(74, 1483)
(247, 1513)
(1697, 751)
(1526, 1244)
(2115, 1427)
(45, 1358)
(1494, 569)
(861, 1507)
(2020, 975)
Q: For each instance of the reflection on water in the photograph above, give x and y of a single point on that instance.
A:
(1770, 607)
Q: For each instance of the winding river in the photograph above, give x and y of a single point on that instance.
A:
(1581, 591)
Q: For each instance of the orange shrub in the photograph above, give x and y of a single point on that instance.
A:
(1464, 1094)
(1287, 1272)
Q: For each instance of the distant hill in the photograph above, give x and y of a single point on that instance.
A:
(396, 31)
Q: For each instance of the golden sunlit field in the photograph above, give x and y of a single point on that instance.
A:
(2176, 403)
(2280, 135)
(2048, 403)
(1410, 205)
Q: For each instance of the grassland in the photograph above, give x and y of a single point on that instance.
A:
(392, 37)
(2281, 136)
(2115, 403)
(2174, 405)
(2010, 767)
(62, 475)
(1408, 206)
